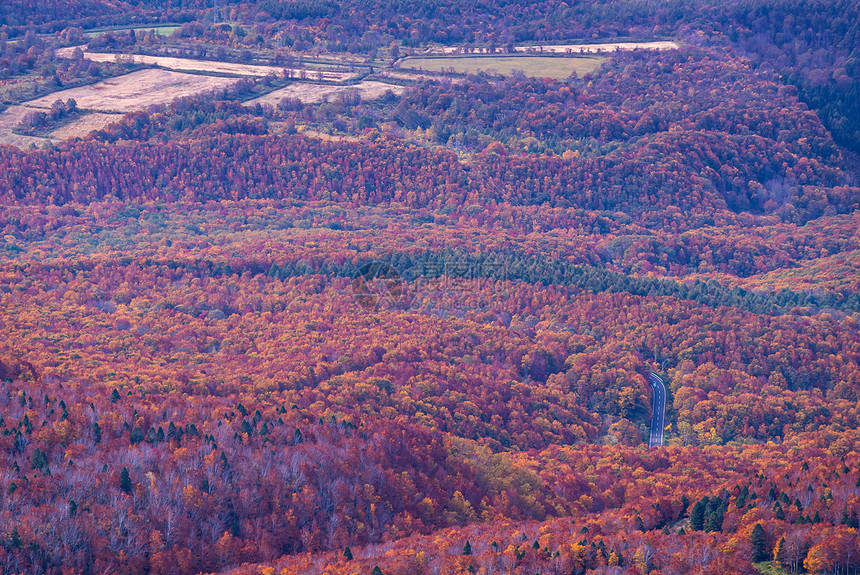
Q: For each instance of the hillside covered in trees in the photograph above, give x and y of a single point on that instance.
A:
(410, 332)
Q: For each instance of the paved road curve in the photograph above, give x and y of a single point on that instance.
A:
(658, 408)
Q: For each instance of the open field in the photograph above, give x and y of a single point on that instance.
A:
(189, 65)
(9, 120)
(570, 48)
(108, 100)
(86, 124)
(315, 93)
(540, 66)
(134, 91)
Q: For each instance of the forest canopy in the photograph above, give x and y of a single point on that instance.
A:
(273, 300)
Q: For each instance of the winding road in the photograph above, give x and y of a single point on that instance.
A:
(658, 408)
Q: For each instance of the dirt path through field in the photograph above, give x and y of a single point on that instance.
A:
(190, 65)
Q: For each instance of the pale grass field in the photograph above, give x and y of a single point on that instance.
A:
(135, 91)
(9, 120)
(538, 66)
(316, 93)
(86, 124)
(108, 101)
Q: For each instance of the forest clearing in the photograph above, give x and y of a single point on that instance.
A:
(315, 93)
(134, 91)
(10, 119)
(536, 66)
(108, 100)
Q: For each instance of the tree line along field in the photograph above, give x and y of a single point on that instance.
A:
(159, 30)
(197, 375)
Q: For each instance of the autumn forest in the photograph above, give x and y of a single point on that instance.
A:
(277, 297)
